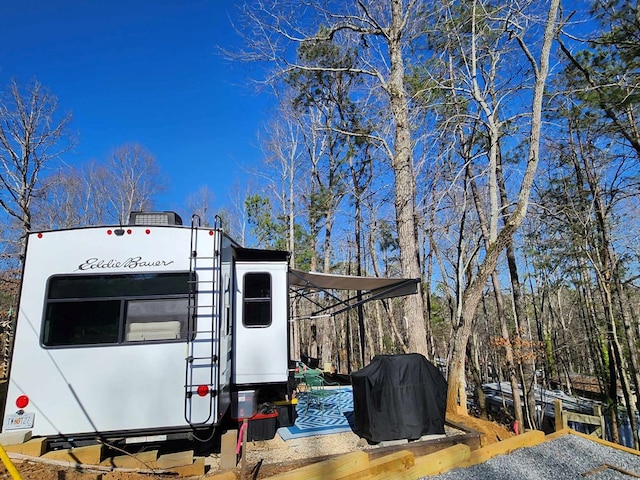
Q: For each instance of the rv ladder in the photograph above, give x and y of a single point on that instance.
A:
(202, 358)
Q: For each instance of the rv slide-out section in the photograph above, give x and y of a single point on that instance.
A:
(261, 338)
(106, 334)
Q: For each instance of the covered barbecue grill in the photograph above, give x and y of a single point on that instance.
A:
(398, 397)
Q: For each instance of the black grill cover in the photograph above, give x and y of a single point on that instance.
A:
(398, 397)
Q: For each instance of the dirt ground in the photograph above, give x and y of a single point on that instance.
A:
(40, 471)
(292, 457)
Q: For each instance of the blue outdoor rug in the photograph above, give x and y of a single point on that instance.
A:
(337, 408)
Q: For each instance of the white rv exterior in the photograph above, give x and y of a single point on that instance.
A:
(143, 330)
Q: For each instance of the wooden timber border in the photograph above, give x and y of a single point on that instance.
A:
(468, 441)
(382, 459)
(426, 447)
(401, 463)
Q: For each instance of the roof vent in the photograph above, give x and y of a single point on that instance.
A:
(154, 218)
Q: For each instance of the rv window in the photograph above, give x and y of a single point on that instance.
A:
(257, 300)
(101, 309)
(82, 323)
(143, 315)
(89, 286)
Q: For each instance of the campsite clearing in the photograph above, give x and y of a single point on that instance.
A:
(277, 456)
(564, 455)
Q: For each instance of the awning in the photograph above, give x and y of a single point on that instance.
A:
(366, 288)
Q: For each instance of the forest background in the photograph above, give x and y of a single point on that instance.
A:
(489, 148)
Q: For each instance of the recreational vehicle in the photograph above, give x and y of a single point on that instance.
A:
(150, 330)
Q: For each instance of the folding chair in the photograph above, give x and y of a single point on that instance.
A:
(317, 393)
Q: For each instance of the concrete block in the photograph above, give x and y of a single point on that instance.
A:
(228, 456)
(14, 437)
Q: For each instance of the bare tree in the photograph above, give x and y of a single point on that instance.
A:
(32, 137)
(283, 145)
(130, 182)
(237, 212)
(61, 206)
(383, 30)
(96, 192)
(473, 40)
(200, 203)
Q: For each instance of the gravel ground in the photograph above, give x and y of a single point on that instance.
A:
(565, 458)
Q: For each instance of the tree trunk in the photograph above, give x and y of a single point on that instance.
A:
(527, 357)
(474, 364)
(497, 292)
(624, 380)
(329, 342)
(606, 274)
(613, 394)
(629, 334)
(378, 307)
(456, 396)
(508, 353)
(456, 393)
(404, 184)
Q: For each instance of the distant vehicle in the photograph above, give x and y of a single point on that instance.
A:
(149, 331)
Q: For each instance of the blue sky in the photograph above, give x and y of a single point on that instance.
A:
(143, 71)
